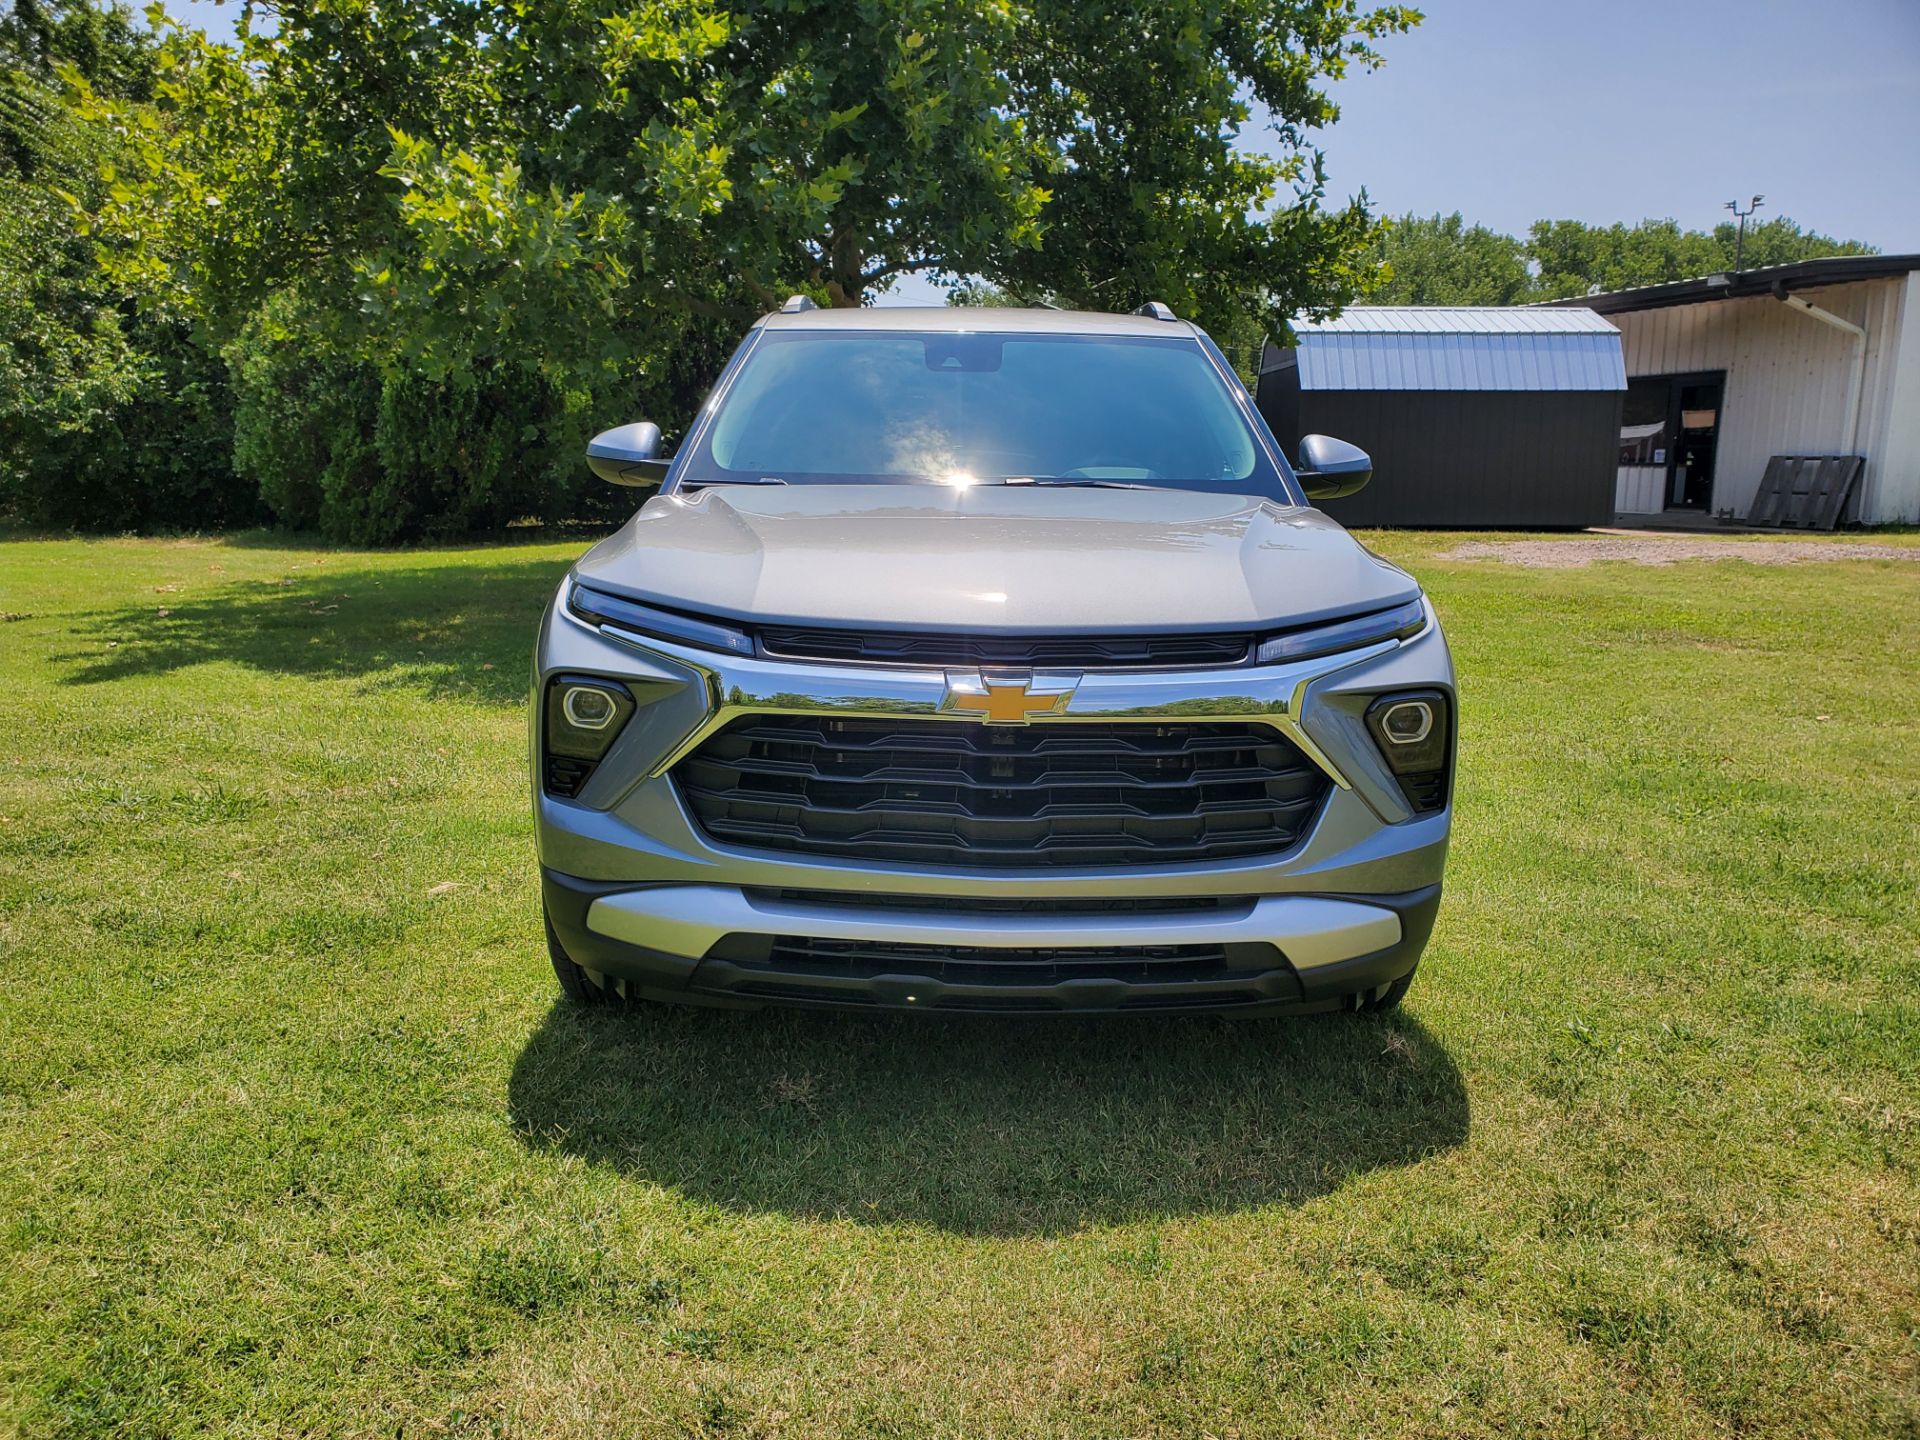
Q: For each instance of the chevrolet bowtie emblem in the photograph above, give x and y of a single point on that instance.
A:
(1007, 699)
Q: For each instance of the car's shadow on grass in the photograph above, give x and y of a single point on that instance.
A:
(446, 629)
(986, 1126)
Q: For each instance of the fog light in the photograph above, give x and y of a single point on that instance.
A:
(1415, 735)
(1406, 722)
(588, 708)
(584, 716)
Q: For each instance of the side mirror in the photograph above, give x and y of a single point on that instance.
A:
(628, 454)
(1331, 468)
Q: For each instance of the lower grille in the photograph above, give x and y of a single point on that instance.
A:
(1054, 795)
(977, 977)
(1004, 1004)
(993, 965)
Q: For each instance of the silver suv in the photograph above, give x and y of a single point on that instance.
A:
(988, 660)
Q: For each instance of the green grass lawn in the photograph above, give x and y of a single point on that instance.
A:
(295, 1138)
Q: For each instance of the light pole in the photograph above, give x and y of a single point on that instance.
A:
(1740, 238)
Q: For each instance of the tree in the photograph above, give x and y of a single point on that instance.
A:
(1780, 242)
(1573, 258)
(110, 413)
(716, 158)
(1441, 260)
(1141, 111)
(420, 339)
(585, 200)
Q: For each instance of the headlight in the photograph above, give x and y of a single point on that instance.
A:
(584, 716)
(1394, 624)
(1414, 730)
(597, 607)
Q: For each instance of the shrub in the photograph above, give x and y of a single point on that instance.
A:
(303, 418)
(153, 455)
(379, 456)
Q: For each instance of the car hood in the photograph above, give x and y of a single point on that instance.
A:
(992, 557)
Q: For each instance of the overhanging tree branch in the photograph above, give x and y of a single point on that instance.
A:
(902, 267)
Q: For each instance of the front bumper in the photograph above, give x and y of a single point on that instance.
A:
(1292, 953)
(636, 892)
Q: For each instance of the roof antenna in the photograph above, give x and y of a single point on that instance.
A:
(1740, 240)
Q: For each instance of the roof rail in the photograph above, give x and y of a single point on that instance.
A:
(796, 303)
(1154, 310)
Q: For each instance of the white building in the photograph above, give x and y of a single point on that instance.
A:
(1816, 358)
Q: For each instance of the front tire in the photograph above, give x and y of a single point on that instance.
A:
(579, 987)
(1377, 1000)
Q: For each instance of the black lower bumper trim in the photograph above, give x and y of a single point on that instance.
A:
(569, 899)
(1417, 910)
(919, 990)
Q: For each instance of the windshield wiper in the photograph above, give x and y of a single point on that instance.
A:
(1071, 482)
(735, 480)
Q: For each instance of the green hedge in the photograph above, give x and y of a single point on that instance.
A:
(150, 452)
(373, 458)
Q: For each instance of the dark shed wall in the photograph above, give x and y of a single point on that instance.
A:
(1470, 457)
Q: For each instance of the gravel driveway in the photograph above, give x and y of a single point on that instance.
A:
(1579, 551)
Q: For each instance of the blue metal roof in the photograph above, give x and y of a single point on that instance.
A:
(1381, 347)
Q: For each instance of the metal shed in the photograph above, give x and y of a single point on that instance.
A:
(1474, 415)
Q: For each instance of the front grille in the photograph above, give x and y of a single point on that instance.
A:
(1094, 652)
(1047, 795)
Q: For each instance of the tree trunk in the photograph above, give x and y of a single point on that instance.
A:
(844, 285)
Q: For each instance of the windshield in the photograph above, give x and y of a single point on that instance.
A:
(891, 407)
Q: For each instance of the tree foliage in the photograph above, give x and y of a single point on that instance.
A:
(1142, 111)
(111, 415)
(692, 157)
(1441, 260)
(1576, 259)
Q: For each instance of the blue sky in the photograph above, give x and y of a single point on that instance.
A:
(1512, 112)
(1516, 110)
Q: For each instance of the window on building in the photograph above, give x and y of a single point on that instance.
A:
(1645, 437)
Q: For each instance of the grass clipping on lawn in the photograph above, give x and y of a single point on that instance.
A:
(298, 1140)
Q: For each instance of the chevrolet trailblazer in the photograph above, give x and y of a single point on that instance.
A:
(988, 660)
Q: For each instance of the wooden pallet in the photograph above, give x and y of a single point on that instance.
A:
(1805, 492)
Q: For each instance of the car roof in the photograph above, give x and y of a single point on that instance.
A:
(979, 319)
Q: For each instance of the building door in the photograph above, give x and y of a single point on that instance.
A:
(1696, 423)
(1672, 422)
